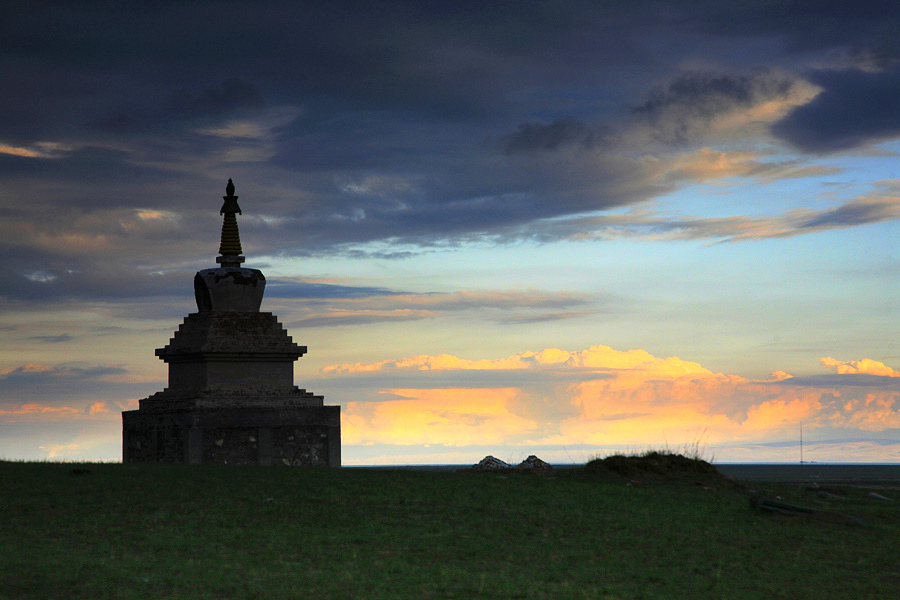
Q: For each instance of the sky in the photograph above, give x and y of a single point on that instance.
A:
(565, 229)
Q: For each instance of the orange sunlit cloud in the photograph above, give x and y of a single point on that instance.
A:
(605, 396)
(36, 412)
(33, 411)
(866, 366)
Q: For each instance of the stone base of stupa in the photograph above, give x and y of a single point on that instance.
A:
(266, 434)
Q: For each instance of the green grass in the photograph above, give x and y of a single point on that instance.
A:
(177, 531)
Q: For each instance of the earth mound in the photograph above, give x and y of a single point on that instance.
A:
(532, 464)
(659, 466)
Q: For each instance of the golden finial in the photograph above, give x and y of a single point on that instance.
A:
(230, 248)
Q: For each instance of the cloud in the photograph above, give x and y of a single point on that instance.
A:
(646, 224)
(37, 150)
(341, 318)
(232, 94)
(356, 306)
(599, 396)
(708, 164)
(34, 388)
(545, 317)
(36, 412)
(864, 366)
(39, 409)
(445, 416)
(52, 339)
(411, 125)
(702, 106)
(261, 125)
(855, 108)
(562, 132)
(34, 373)
(320, 290)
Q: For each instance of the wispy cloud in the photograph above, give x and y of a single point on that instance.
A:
(348, 305)
(647, 224)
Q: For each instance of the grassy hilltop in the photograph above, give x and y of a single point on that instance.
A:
(607, 531)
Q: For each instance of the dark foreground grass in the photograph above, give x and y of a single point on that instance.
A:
(175, 531)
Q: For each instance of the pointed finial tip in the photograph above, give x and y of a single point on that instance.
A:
(229, 189)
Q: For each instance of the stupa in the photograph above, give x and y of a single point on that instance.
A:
(231, 397)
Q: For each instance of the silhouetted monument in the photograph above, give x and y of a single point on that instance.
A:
(231, 396)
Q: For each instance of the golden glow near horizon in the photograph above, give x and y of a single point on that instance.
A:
(550, 398)
(603, 396)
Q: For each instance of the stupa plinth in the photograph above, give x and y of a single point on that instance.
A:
(231, 397)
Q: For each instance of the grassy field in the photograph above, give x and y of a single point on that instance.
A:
(174, 531)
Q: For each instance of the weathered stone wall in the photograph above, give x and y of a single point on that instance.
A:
(232, 374)
(307, 436)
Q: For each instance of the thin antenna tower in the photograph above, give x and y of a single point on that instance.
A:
(801, 442)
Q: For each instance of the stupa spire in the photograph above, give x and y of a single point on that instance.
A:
(230, 246)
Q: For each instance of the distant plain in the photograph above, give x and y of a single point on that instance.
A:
(75, 530)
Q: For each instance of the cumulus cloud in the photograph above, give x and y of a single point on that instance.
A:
(602, 396)
(864, 366)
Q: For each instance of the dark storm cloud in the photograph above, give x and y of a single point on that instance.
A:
(562, 132)
(691, 101)
(855, 108)
(802, 25)
(231, 95)
(76, 172)
(708, 94)
(408, 123)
